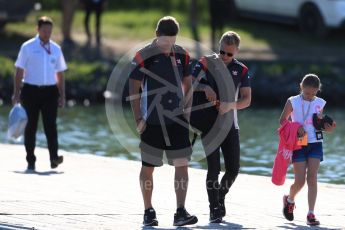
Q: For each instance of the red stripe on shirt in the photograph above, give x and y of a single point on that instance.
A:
(139, 59)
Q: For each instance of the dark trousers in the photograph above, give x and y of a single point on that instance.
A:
(231, 152)
(42, 100)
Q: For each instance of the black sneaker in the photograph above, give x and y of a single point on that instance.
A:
(215, 215)
(182, 217)
(55, 162)
(150, 218)
(222, 207)
(288, 208)
(311, 220)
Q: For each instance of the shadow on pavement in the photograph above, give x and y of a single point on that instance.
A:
(43, 173)
(5, 226)
(304, 227)
(223, 225)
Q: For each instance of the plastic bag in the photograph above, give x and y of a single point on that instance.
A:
(17, 121)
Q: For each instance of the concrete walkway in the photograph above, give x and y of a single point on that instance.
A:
(92, 192)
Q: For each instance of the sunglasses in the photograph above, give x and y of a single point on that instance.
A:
(222, 52)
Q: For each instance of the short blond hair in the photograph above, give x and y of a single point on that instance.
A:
(230, 38)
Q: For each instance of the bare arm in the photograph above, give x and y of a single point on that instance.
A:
(246, 98)
(188, 92)
(286, 112)
(134, 89)
(286, 115)
(134, 94)
(242, 103)
(60, 82)
(17, 84)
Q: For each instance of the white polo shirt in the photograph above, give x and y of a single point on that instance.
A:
(39, 66)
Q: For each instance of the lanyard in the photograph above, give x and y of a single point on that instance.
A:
(305, 115)
(46, 48)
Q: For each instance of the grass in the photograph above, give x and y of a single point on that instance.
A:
(140, 25)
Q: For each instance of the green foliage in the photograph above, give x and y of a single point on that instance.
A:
(7, 68)
(138, 24)
(50, 4)
(166, 6)
(274, 69)
(83, 71)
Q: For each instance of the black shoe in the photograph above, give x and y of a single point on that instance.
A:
(150, 217)
(182, 217)
(288, 208)
(55, 162)
(31, 167)
(222, 207)
(215, 215)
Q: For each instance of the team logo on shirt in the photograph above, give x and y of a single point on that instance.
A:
(178, 61)
(234, 73)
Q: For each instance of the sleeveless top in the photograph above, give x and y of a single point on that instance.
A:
(302, 112)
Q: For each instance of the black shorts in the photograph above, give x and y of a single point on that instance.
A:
(176, 144)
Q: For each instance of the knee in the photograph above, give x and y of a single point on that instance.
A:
(181, 164)
(146, 171)
(181, 172)
(312, 179)
(299, 183)
(232, 173)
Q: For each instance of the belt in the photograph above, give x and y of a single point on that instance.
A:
(39, 86)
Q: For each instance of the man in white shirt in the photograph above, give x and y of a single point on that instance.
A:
(39, 85)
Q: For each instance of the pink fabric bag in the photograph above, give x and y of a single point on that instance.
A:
(287, 144)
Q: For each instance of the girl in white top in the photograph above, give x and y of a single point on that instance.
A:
(306, 161)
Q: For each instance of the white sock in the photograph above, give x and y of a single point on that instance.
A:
(311, 212)
(290, 200)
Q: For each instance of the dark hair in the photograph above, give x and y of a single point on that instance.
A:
(311, 80)
(44, 20)
(167, 26)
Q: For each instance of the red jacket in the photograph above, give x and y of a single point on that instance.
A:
(287, 144)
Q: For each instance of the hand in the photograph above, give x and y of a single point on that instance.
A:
(15, 99)
(61, 102)
(141, 125)
(225, 107)
(300, 132)
(210, 94)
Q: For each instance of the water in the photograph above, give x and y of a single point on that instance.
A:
(86, 130)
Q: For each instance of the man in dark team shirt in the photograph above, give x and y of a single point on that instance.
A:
(161, 71)
(230, 146)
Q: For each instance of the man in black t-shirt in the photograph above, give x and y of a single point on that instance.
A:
(161, 71)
